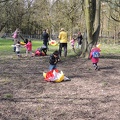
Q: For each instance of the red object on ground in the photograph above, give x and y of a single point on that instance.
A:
(50, 75)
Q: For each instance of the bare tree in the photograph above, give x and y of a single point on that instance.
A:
(92, 17)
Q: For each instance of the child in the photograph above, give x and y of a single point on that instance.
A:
(39, 52)
(53, 60)
(72, 41)
(18, 46)
(26, 41)
(44, 49)
(94, 56)
(29, 48)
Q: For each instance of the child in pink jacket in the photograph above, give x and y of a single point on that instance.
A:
(29, 48)
(72, 41)
(94, 56)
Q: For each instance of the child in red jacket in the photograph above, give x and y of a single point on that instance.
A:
(94, 56)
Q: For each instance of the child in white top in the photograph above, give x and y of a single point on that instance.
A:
(18, 46)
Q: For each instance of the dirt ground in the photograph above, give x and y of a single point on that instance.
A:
(90, 95)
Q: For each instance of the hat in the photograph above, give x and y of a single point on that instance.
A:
(98, 45)
(62, 29)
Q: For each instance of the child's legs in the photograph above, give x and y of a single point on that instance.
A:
(72, 46)
(29, 52)
(51, 67)
(95, 65)
(18, 53)
(26, 52)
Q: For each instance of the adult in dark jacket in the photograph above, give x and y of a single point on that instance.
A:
(45, 37)
(79, 39)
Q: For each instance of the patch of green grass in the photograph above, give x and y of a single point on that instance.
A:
(4, 81)
(8, 96)
(104, 84)
(110, 49)
(7, 50)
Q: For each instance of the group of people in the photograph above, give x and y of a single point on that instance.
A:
(55, 57)
(63, 41)
(94, 56)
(28, 44)
(17, 44)
(63, 37)
(77, 38)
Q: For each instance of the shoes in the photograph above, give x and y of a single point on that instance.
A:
(97, 68)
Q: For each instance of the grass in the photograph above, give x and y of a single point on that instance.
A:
(7, 50)
(4, 81)
(8, 96)
(5, 45)
(110, 48)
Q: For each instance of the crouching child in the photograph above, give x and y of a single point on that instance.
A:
(53, 60)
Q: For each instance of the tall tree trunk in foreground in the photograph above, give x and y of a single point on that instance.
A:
(92, 17)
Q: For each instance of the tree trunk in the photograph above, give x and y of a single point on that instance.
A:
(2, 25)
(92, 17)
(97, 23)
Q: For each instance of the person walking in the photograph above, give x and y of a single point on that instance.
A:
(94, 56)
(63, 36)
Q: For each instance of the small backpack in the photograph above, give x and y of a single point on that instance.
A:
(96, 54)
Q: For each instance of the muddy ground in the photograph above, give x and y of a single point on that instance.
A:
(90, 95)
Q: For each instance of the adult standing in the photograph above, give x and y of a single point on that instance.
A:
(45, 37)
(79, 39)
(63, 36)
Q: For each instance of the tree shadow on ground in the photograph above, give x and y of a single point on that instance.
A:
(108, 67)
(110, 56)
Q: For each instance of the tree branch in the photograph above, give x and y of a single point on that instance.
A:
(115, 19)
